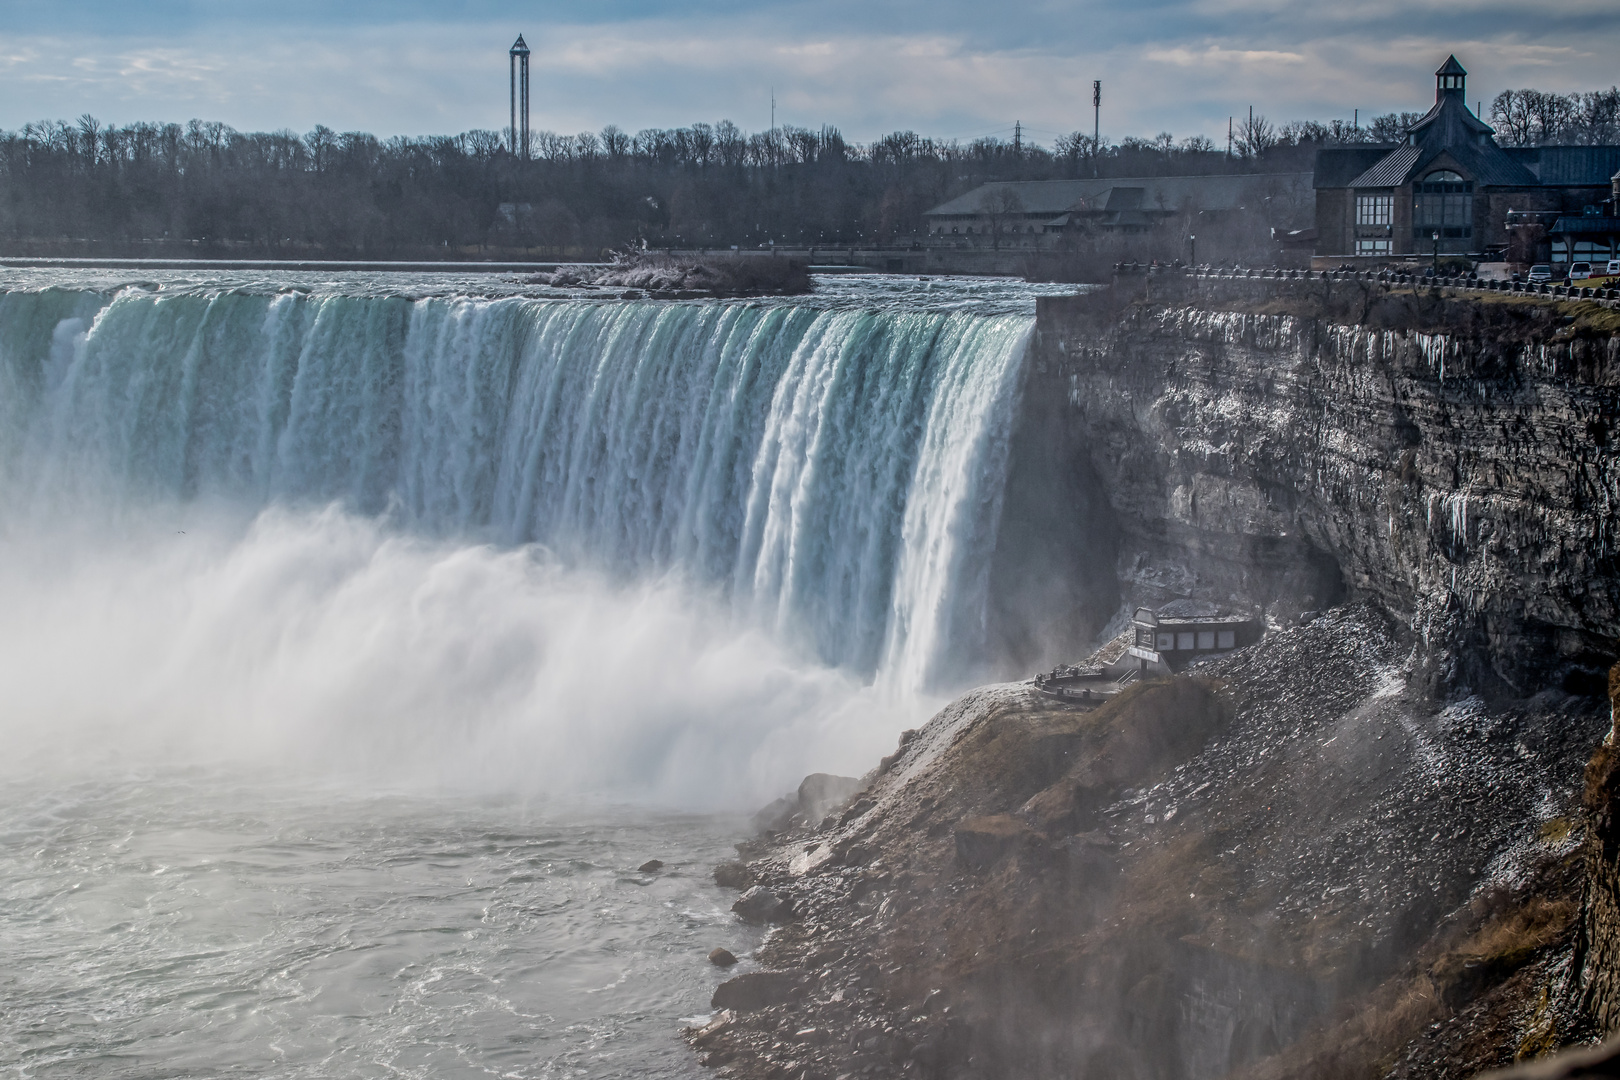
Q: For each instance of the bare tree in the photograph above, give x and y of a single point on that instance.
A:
(1005, 209)
(1255, 136)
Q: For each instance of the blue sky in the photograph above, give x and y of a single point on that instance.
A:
(947, 68)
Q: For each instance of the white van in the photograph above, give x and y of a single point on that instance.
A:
(1580, 271)
(1613, 269)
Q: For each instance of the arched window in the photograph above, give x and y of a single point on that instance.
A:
(1443, 202)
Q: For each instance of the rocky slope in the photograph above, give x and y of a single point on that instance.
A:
(1355, 849)
(1202, 875)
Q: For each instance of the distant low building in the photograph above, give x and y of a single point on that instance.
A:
(1448, 188)
(1164, 642)
(1037, 214)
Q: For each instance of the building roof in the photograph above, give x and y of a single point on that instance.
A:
(1584, 224)
(1451, 67)
(1391, 170)
(1051, 198)
(1337, 166)
(1450, 130)
(1449, 122)
(1570, 166)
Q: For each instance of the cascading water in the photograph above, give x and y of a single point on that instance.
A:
(356, 647)
(837, 472)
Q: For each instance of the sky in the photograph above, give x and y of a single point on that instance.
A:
(949, 69)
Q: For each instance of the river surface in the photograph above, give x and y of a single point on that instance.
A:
(365, 633)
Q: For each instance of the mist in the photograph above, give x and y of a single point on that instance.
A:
(339, 647)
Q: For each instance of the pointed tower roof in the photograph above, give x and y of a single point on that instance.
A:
(1450, 129)
(518, 48)
(1451, 121)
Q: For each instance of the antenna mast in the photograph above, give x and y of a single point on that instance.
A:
(1096, 124)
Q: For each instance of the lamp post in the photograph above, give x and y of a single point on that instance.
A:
(1437, 254)
(1192, 256)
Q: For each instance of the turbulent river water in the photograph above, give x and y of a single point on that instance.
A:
(362, 634)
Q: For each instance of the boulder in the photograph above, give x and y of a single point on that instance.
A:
(757, 990)
(760, 905)
(651, 866)
(778, 816)
(733, 875)
(822, 793)
(722, 958)
(819, 794)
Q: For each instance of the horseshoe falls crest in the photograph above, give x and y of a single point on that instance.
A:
(591, 541)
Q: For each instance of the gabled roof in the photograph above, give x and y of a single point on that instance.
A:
(1050, 198)
(1124, 198)
(1391, 170)
(1449, 129)
(1488, 165)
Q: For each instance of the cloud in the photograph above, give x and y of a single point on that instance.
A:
(947, 69)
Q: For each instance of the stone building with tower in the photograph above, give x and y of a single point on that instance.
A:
(1448, 188)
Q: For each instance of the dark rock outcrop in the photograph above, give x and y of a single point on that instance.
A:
(687, 277)
(757, 990)
(818, 795)
(760, 905)
(1452, 460)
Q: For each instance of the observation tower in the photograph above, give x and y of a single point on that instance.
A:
(520, 99)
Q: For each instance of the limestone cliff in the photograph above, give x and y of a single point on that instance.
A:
(1452, 460)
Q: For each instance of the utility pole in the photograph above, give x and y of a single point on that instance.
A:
(1018, 138)
(1096, 124)
(520, 98)
(773, 125)
(1228, 138)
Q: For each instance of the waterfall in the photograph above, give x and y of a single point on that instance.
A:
(833, 472)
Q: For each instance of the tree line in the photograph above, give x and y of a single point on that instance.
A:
(147, 188)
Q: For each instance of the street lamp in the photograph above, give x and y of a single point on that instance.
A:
(1193, 255)
(1437, 254)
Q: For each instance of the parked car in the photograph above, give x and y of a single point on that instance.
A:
(1613, 269)
(1539, 274)
(1580, 271)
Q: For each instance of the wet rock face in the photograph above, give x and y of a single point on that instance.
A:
(1600, 977)
(1469, 485)
(760, 905)
(819, 794)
